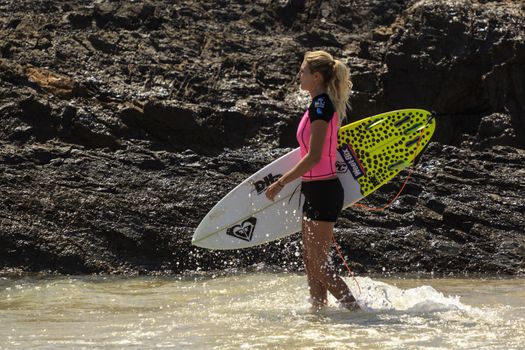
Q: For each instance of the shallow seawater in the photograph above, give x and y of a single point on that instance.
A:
(258, 311)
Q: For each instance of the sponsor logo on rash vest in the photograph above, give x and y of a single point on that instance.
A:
(319, 105)
(351, 160)
(243, 231)
(262, 185)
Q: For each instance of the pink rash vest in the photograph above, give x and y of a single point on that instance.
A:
(320, 108)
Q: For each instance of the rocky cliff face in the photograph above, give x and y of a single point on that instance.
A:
(122, 123)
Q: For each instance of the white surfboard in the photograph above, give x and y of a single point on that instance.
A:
(370, 152)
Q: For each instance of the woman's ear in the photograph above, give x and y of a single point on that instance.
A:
(318, 77)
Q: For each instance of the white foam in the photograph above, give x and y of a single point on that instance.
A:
(380, 296)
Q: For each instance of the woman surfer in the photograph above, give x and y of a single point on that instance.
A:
(328, 82)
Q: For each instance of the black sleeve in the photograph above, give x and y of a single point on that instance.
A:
(321, 108)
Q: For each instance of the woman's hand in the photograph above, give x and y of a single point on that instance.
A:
(273, 190)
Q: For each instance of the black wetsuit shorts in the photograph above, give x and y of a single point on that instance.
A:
(323, 199)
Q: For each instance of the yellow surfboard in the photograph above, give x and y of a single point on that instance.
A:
(377, 148)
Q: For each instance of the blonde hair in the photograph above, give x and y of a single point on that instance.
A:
(336, 76)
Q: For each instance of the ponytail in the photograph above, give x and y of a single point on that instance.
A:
(339, 88)
(337, 77)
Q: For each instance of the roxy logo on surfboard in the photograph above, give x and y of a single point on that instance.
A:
(262, 185)
(352, 162)
(243, 231)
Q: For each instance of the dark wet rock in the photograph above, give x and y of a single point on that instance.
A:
(496, 129)
(87, 134)
(122, 124)
(319, 38)
(453, 51)
(171, 115)
(106, 44)
(80, 20)
(181, 125)
(36, 114)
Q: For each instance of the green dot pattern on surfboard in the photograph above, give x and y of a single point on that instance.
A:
(387, 143)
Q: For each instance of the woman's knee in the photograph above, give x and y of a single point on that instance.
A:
(325, 270)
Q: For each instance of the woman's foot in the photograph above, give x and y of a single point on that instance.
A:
(349, 302)
(318, 305)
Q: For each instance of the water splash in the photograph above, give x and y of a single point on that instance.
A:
(378, 296)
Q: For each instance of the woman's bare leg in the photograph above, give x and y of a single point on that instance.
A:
(318, 290)
(317, 240)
